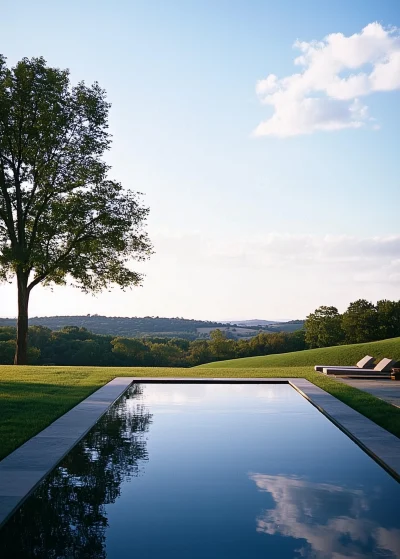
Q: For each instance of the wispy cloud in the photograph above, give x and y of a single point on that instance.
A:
(246, 276)
(336, 73)
(358, 259)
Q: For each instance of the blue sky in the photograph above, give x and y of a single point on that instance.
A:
(244, 226)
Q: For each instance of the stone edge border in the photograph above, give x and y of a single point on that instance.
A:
(22, 470)
(379, 444)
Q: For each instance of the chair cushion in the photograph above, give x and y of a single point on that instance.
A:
(366, 362)
(385, 365)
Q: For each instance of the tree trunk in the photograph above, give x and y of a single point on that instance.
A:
(21, 352)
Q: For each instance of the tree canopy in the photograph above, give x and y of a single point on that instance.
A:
(324, 328)
(61, 217)
(361, 322)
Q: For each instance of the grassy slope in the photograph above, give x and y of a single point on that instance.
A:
(338, 355)
(33, 397)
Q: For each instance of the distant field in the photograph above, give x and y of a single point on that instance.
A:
(272, 327)
(138, 327)
(236, 331)
(338, 355)
(286, 327)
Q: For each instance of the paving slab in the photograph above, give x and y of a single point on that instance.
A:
(388, 390)
(18, 483)
(39, 453)
(7, 504)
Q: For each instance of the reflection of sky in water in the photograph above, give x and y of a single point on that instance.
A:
(165, 473)
(328, 506)
(174, 396)
(332, 519)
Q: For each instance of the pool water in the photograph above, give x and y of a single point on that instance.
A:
(210, 471)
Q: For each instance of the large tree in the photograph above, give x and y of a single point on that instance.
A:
(360, 322)
(388, 318)
(61, 217)
(323, 327)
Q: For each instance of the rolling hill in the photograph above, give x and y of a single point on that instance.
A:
(337, 355)
(137, 327)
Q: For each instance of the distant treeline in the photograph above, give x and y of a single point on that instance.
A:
(137, 327)
(75, 345)
(132, 327)
(362, 322)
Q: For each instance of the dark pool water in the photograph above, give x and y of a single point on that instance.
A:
(210, 471)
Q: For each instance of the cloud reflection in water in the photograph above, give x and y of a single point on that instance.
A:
(333, 520)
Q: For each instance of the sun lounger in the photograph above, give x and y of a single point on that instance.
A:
(385, 365)
(366, 362)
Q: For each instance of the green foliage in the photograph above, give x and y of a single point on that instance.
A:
(388, 318)
(130, 349)
(7, 333)
(360, 322)
(137, 327)
(69, 218)
(7, 350)
(39, 336)
(182, 344)
(33, 355)
(61, 216)
(200, 352)
(323, 327)
(167, 355)
(73, 345)
(221, 347)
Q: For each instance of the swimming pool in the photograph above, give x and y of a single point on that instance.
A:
(210, 471)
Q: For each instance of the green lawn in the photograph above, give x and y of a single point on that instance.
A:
(338, 355)
(33, 397)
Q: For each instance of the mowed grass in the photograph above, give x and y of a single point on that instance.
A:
(338, 355)
(32, 397)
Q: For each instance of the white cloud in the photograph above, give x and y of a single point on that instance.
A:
(304, 511)
(369, 266)
(286, 249)
(336, 73)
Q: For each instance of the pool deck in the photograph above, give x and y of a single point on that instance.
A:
(388, 390)
(22, 470)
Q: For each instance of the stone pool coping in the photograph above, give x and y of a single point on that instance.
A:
(22, 470)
